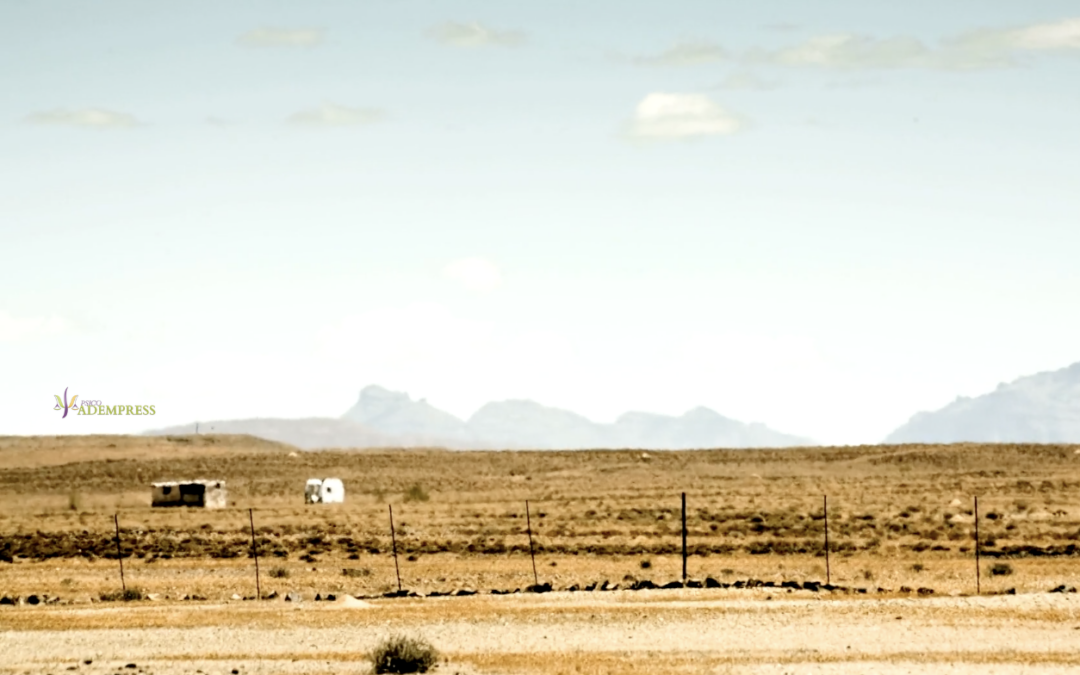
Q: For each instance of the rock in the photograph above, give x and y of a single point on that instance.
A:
(573, 588)
(925, 591)
(153, 596)
(10, 600)
(812, 586)
(694, 583)
(538, 588)
(465, 591)
(349, 601)
(236, 596)
(330, 597)
(713, 583)
(604, 586)
(791, 584)
(318, 597)
(293, 597)
(904, 589)
(33, 599)
(643, 584)
(673, 584)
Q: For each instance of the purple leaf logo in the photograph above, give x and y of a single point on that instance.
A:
(65, 404)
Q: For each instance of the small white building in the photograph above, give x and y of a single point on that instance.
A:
(207, 494)
(324, 491)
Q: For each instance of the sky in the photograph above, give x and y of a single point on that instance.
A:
(822, 216)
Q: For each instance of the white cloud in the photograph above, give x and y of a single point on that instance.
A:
(662, 116)
(988, 48)
(281, 37)
(331, 115)
(847, 50)
(24, 329)
(686, 53)
(87, 118)
(475, 34)
(1063, 34)
(474, 274)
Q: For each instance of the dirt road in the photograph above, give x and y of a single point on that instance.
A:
(646, 632)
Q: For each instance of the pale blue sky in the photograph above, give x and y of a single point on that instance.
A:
(822, 216)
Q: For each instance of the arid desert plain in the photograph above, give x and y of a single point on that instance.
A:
(899, 592)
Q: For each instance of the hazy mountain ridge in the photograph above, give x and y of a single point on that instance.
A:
(384, 418)
(308, 433)
(1039, 408)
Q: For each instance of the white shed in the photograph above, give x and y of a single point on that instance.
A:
(324, 491)
(207, 494)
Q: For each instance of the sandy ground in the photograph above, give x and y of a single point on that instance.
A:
(654, 632)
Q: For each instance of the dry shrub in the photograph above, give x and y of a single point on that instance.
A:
(416, 493)
(127, 595)
(403, 654)
(1001, 569)
(279, 573)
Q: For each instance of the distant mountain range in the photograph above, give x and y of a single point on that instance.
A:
(384, 418)
(1040, 408)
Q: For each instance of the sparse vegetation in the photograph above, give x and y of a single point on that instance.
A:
(1001, 569)
(881, 519)
(279, 573)
(130, 594)
(416, 493)
(403, 654)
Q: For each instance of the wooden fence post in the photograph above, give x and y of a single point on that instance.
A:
(825, 509)
(119, 553)
(684, 537)
(978, 574)
(532, 552)
(393, 544)
(255, 554)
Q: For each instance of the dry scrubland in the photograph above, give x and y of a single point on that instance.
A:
(899, 518)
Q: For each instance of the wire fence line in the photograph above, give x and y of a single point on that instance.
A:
(259, 545)
(814, 532)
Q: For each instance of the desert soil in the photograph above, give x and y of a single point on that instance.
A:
(678, 631)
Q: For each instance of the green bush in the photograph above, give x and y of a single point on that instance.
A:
(403, 654)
